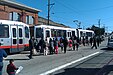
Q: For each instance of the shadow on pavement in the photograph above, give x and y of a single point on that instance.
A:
(105, 70)
(87, 71)
(107, 49)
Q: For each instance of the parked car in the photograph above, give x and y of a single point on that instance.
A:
(110, 43)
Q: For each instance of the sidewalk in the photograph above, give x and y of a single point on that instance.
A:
(53, 61)
(24, 54)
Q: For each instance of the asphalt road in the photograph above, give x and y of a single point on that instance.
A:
(101, 64)
(86, 65)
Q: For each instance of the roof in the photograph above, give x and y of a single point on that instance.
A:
(18, 5)
(8, 22)
(52, 23)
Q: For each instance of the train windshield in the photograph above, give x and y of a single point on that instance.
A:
(4, 31)
(39, 32)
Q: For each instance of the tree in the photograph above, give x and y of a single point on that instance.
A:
(98, 31)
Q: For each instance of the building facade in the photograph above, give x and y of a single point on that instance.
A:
(44, 21)
(14, 11)
(10, 10)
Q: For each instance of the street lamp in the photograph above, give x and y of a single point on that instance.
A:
(78, 23)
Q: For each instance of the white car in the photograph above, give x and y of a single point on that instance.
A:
(110, 43)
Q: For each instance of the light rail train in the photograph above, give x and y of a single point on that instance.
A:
(46, 31)
(14, 36)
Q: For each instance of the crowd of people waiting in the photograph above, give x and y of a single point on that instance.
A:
(51, 46)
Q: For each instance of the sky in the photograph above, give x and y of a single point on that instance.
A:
(88, 12)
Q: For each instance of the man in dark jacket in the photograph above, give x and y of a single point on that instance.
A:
(31, 45)
(42, 45)
(94, 43)
(2, 54)
(65, 41)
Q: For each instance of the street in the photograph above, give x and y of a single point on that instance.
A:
(87, 61)
(99, 65)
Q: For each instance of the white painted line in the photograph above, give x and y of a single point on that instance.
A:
(65, 65)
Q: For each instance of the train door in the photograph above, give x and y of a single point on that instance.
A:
(13, 39)
(20, 35)
(68, 35)
(47, 34)
(16, 38)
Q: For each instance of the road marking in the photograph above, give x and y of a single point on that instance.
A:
(68, 64)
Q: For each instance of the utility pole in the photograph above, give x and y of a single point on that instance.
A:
(99, 23)
(99, 28)
(48, 11)
(49, 8)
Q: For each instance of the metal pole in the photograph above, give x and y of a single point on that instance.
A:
(48, 11)
(99, 27)
(99, 23)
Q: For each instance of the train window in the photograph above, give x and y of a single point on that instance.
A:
(20, 32)
(64, 33)
(55, 32)
(84, 34)
(39, 33)
(14, 32)
(26, 32)
(73, 33)
(68, 34)
(20, 41)
(14, 41)
(4, 29)
(52, 33)
(59, 33)
(89, 34)
(81, 34)
(47, 33)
